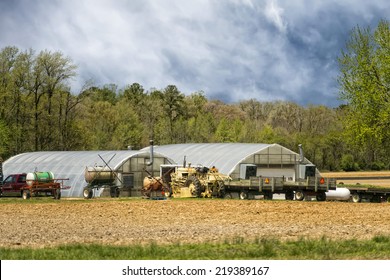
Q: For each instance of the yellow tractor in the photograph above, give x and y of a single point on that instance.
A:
(198, 181)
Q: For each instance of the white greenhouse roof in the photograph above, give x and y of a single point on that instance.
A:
(67, 164)
(224, 156)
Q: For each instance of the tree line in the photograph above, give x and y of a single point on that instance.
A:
(38, 112)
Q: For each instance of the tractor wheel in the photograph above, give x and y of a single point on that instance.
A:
(26, 194)
(87, 193)
(299, 195)
(221, 190)
(195, 186)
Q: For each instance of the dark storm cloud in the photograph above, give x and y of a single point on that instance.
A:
(232, 50)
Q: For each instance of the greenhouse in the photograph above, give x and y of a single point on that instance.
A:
(239, 160)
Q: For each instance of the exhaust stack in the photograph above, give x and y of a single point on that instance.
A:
(150, 162)
(301, 155)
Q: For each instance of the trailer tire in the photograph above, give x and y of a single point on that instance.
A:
(356, 198)
(167, 191)
(87, 193)
(321, 196)
(268, 196)
(289, 195)
(114, 192)
(243, 195)
(228, 196)
(299, 195)
(57, 194)
(26, 194)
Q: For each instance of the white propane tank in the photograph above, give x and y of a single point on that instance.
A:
(338, 194)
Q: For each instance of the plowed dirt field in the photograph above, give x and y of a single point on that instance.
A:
(112, 221)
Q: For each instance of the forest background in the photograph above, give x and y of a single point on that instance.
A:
(39, 111)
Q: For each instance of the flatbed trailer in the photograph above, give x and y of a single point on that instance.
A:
(268, 186)
(52, 189)
(372, 194)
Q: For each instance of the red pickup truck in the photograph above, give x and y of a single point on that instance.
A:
(18, 185)
(13, 185)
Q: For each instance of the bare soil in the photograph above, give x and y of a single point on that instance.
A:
(120, 222)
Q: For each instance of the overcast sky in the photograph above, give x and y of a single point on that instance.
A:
(231, 50)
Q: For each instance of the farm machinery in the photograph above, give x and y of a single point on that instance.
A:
(198, 181)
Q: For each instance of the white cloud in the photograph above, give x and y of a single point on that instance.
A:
(274, 13)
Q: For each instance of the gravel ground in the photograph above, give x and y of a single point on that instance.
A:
(118, 221)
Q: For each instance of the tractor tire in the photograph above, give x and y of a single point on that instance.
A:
(195, 184)
(221, 190)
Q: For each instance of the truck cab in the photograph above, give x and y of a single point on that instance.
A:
(13, 185)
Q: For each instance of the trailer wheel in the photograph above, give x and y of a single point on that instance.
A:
(289, 195)
(57, 194)
(114, 192)
(299, 195)
(356, 198)
(243, 195)
(26, 194)
(321, 196)
(87, 193)
(268, 195)
(228, 196)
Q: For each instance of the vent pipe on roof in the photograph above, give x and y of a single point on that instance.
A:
(301, 155)
(151, 154)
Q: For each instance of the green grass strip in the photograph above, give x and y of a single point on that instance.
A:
(303, 249)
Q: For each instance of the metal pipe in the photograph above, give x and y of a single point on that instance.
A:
(301, 155)
(151, 154)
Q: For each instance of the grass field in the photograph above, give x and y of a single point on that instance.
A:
(376, 248)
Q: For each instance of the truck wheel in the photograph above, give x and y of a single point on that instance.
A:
(87, 193)
(243, 195)
(321, 196)
(26, 194)
(299, 195)
(356, 198)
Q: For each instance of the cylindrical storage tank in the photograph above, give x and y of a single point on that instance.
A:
(39, 177)
(99, 175)
(338, 194)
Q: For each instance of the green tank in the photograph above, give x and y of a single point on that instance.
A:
(39, 177)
